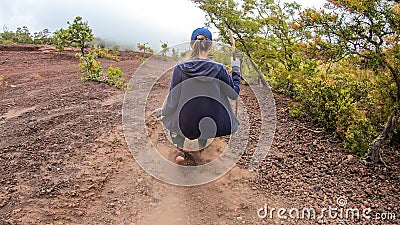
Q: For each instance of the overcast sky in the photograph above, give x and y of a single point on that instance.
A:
(127, 22)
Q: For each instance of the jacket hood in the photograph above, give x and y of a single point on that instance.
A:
(200, 67)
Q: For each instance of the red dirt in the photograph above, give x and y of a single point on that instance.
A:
(64, 159)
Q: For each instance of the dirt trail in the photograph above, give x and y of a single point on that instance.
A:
(79, 169)
(64, 159)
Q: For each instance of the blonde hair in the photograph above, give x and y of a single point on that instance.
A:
(201, 44)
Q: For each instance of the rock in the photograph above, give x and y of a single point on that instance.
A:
(317, 209)
(156, 196)
(314, 142)
(368, 191)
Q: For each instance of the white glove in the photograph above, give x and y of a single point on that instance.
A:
(235, 62)
(157, 113)
(235, 65)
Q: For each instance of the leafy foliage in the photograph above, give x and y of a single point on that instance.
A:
(365, 33)
(164, 48)
(43, 37)
(144, 48)
(23, 36)
(77, 34)
(92, 70)
(115, 50)
(340, 63)
(61, 39)
(7, 36)
(105, 53)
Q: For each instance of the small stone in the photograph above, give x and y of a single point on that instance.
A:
(156, 197)
(15, 211)
(317, 209)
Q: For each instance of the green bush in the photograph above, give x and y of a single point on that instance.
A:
(92, 70)
(115, 77)
(116, 49)
(105, 53)
(359, 134)
(343, 99)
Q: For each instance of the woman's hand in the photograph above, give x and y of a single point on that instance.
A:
(235, 65)
(157, 113)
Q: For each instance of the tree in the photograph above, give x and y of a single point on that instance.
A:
(164, 48)
(42, 37)
(80, 33)
(143, 47)
(369, 29)
(23, 36)
(7, 36)
(61, 39)
(263, 29)
(308, 54)
(77, 34)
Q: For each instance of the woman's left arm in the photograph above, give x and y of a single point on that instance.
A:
(233, 81)
(174, 93)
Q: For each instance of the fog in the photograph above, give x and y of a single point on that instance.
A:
(122, 21)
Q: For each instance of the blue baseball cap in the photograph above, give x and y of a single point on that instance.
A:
(201, 31)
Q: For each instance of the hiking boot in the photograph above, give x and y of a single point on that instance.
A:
(180, 157)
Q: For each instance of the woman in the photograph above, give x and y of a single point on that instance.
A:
(197, 106)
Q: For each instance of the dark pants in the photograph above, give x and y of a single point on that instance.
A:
(180, 140)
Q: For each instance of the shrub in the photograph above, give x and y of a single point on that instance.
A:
(92, 70)
(105, 53)
(115, 77)
(344, 100)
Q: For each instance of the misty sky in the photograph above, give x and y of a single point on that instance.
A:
(126, 22)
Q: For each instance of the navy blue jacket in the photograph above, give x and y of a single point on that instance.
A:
(197, 105)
